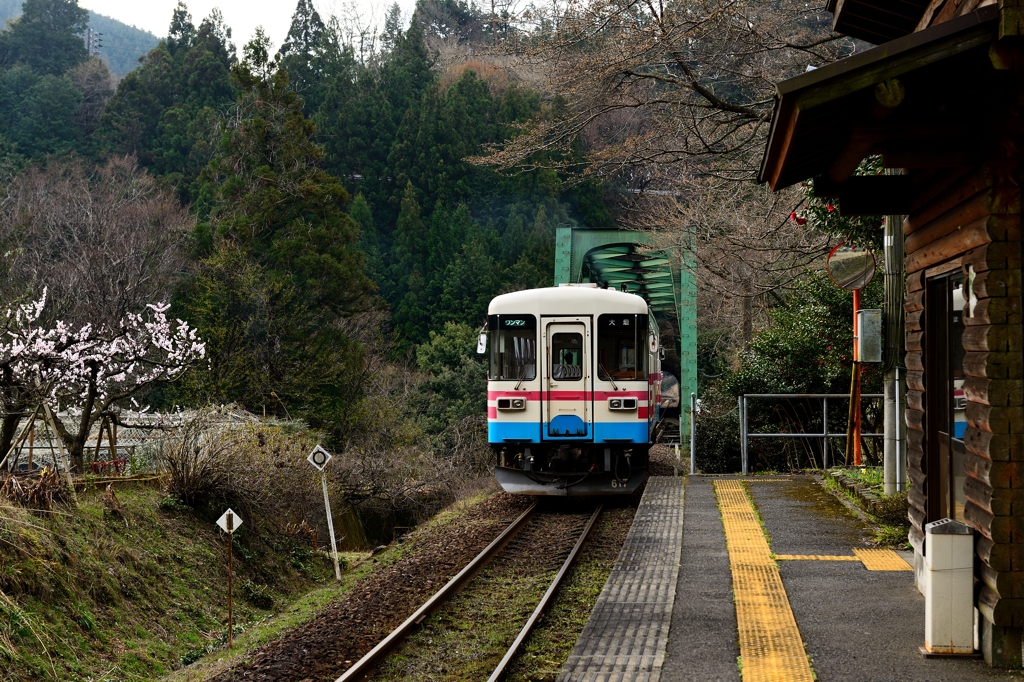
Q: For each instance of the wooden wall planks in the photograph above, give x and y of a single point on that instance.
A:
(975, 218)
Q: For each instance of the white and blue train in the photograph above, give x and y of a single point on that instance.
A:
(573, 389)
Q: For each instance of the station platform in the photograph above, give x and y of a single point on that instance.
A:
(769, 579)
(627, 632)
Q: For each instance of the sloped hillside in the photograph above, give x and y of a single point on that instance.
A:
(122, 44)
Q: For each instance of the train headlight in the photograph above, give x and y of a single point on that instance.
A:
(518, 404)
(615, 403)
(511, 403)
(622, 403)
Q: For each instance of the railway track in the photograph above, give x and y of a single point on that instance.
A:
(540, 540)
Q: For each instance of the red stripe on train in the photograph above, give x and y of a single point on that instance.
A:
(567, 395)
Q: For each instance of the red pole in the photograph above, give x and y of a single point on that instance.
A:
(856, 383)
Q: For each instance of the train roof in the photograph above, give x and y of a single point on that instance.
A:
(573, 299)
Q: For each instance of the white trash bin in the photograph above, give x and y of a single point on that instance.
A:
(949, 588)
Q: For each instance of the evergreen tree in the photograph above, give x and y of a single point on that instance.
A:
(46, 37)
(410, 250)
(304, 54)
(391, 32)
(406, 73)
(357, 129)
(369, 241)
(167, 111)
(470, 282)
(278, 268)
(182, 33)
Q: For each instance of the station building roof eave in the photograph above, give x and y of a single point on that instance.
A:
(831, 115)
(877, 21)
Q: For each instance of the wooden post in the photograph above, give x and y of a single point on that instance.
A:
(112, 437)
(99, 440)
(31, 441)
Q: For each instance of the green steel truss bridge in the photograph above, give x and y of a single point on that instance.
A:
(625, 259)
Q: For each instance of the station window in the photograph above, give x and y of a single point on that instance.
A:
(513, 347)
(622, 347)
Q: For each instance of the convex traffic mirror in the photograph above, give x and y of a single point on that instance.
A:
(851, 267)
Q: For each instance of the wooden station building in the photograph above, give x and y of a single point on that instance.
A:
(940, 99)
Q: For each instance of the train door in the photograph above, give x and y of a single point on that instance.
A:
(568, 381)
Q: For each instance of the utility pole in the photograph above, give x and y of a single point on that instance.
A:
(894, 452)
(93, 42)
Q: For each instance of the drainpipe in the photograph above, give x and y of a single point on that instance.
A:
(894, 371)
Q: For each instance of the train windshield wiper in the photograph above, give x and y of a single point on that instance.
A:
(607, 374)
(522, 376)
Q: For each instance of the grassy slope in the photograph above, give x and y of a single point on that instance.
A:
(85, 597)
(310, 604)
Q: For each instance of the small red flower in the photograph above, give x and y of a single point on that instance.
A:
(801, 221)
(831, 208)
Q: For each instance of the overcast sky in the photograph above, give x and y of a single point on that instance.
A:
(243, 16)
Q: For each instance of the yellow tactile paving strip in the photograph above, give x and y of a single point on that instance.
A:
(882, 560)
(815, 557)
(770, 644)
(873, 559)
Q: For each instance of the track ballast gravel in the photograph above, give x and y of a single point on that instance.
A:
(330, 643)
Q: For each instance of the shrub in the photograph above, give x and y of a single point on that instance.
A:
(257, 595)
(892, 509)
(717, 440)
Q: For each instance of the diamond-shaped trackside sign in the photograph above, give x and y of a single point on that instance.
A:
(229, 521)
(319, 457)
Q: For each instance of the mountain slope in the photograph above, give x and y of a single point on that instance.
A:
(122, 45)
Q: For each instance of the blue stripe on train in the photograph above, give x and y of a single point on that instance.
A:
(502, 432)
(620, 432)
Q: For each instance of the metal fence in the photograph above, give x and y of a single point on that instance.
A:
(745, 435)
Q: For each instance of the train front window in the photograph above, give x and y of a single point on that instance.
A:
(513, 347)
(567, 356)
(622, 347)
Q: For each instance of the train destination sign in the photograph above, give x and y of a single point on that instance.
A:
(495, 322)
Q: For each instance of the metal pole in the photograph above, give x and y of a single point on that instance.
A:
(231, 535)
(330, 527)
(743, 434)
(824, 430)
(693, 433)
(739, 414)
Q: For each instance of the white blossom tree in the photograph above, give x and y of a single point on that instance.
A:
(92, 370)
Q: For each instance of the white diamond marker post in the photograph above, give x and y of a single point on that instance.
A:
(229, 522)
(319, 459)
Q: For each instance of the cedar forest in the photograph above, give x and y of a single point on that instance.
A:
(322, 183)
(321, 215)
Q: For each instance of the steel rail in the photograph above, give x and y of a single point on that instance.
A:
(362, 668)
(499, 672)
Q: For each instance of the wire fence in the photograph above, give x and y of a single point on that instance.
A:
(795, 421)
(131, 446)
(745, 435)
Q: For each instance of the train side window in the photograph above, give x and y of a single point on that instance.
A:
(567, 356)
(622, 347)
(513, 347)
